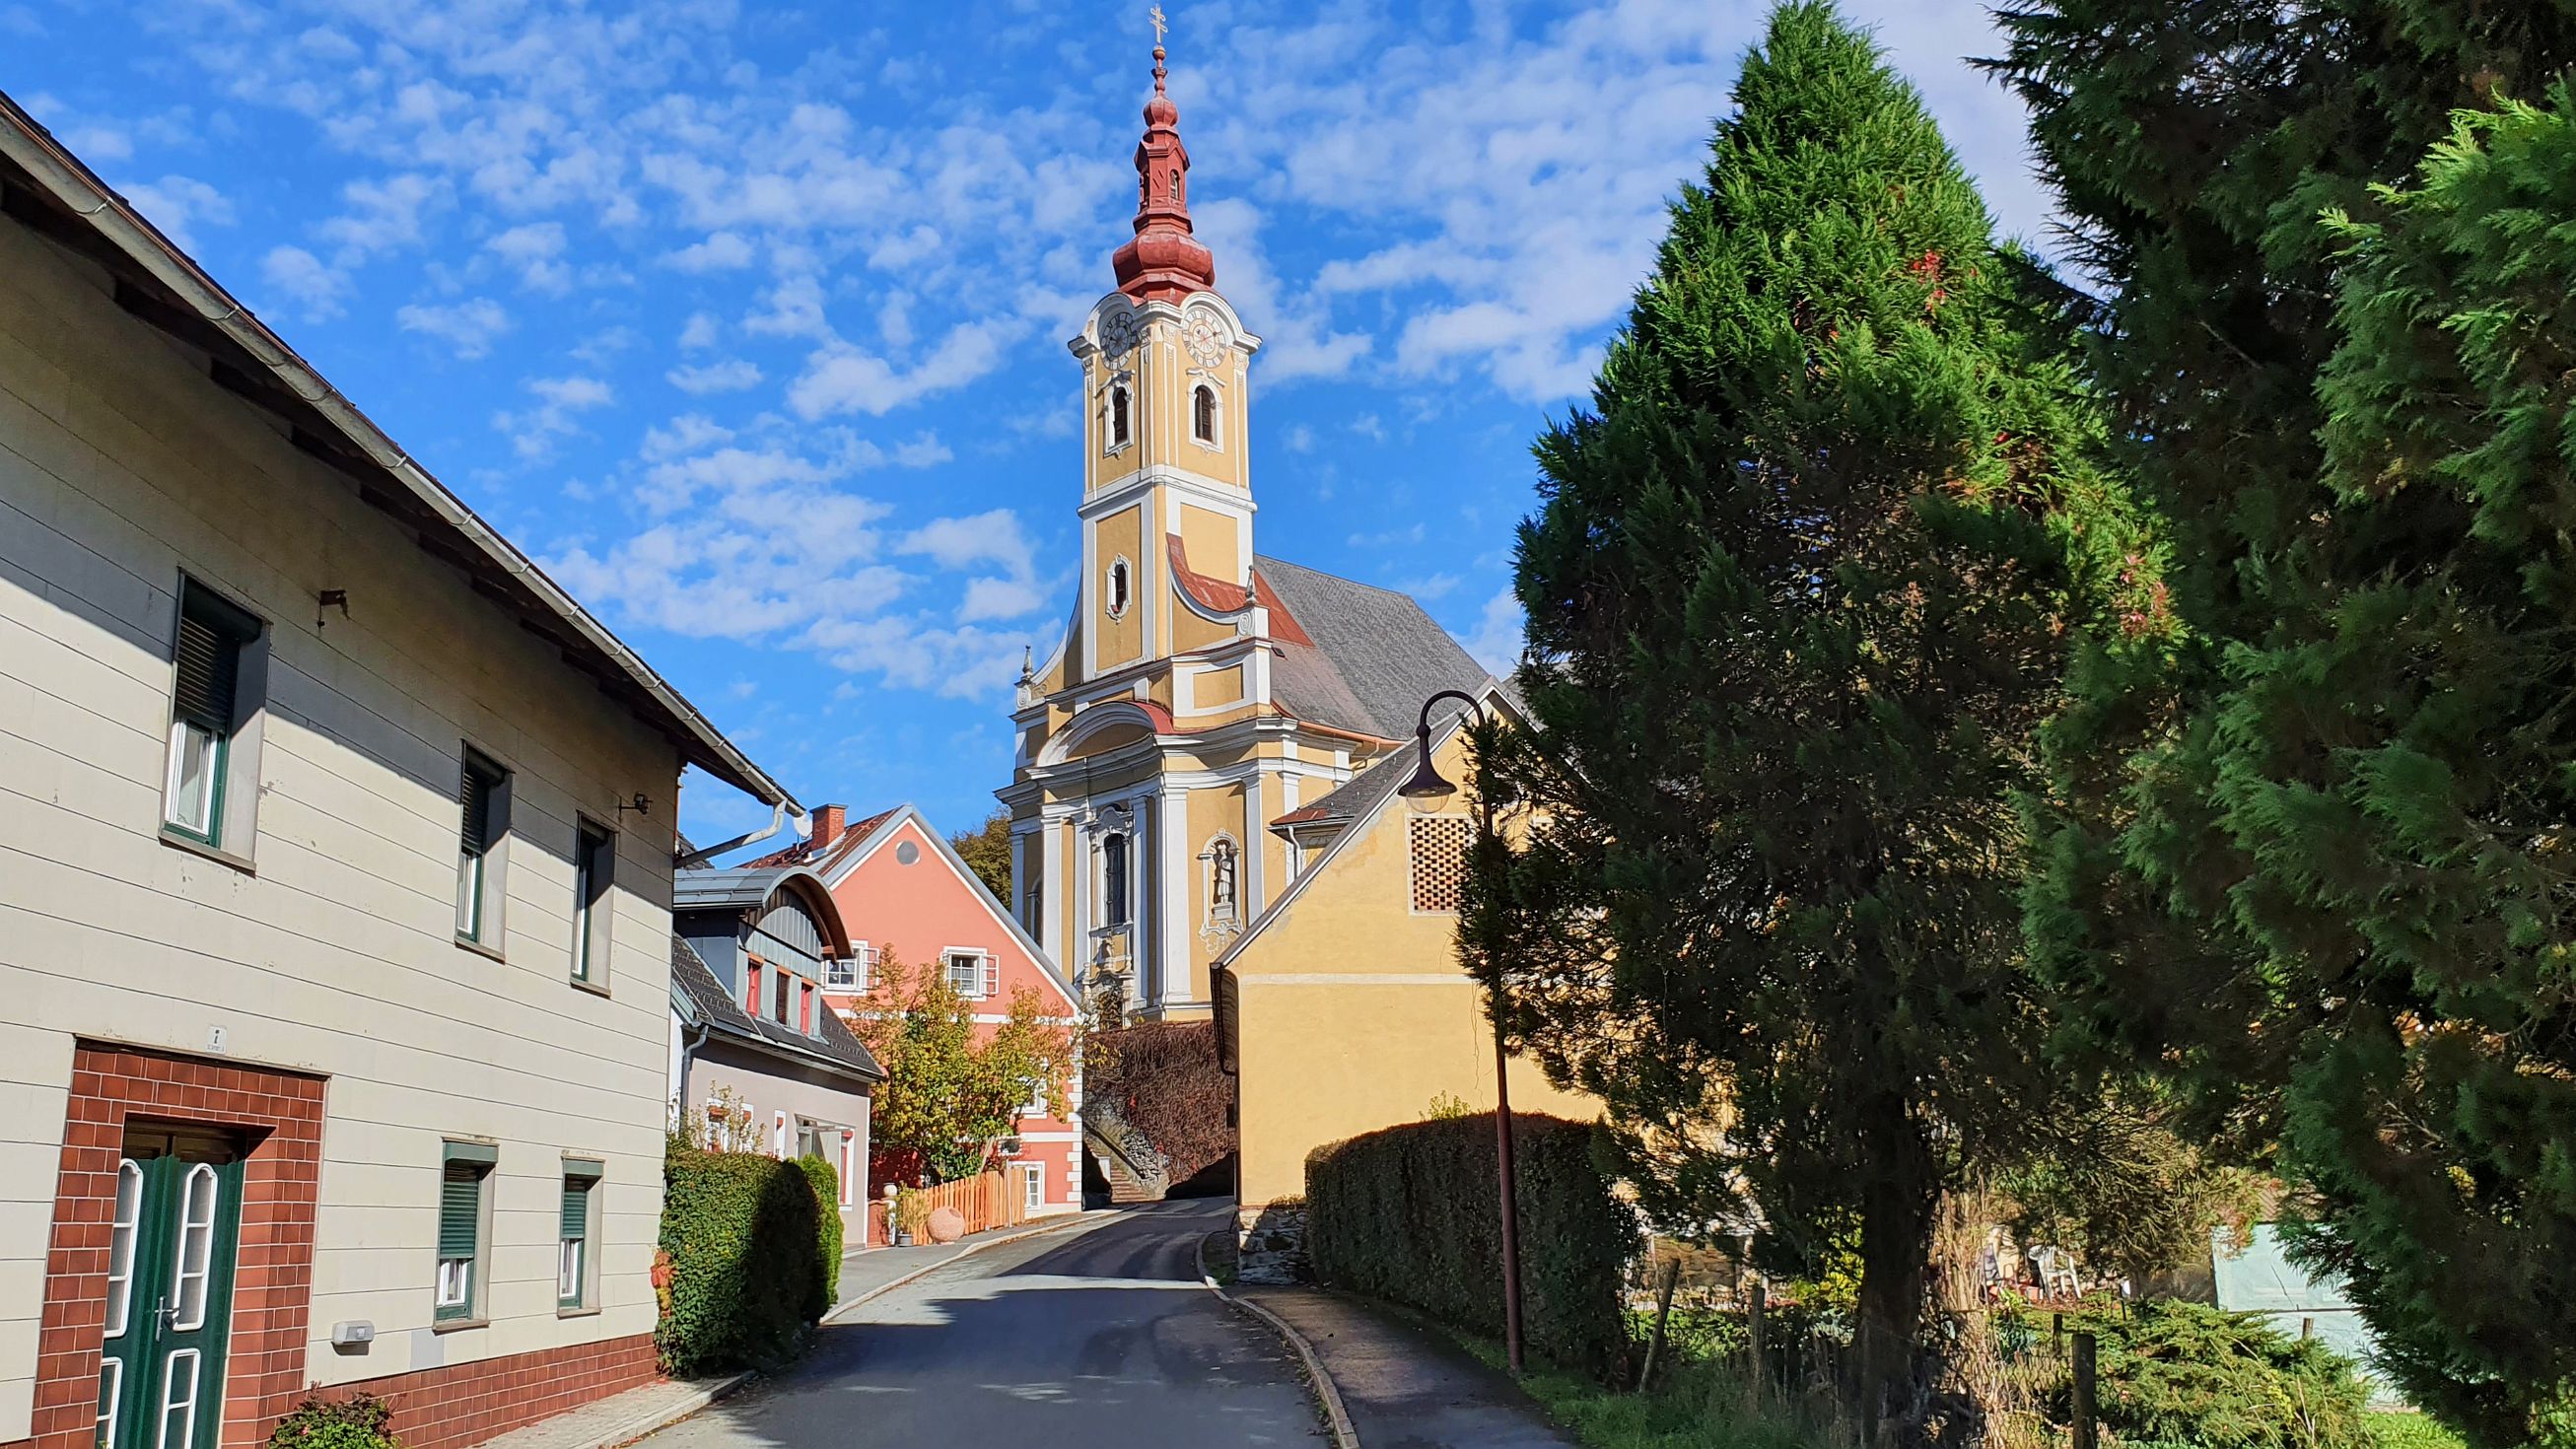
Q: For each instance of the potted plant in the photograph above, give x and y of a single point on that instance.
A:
(911, 1216)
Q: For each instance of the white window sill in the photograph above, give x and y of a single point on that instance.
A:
(176, 841)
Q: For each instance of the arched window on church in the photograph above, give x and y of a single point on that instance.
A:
(1118, 416)
(1203, 413)
(1118, 590)
(1224, 877)
(1177, 198)
(1113, 879)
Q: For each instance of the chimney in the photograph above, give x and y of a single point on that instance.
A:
(827, 825)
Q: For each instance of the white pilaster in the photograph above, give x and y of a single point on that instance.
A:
(1178, 891)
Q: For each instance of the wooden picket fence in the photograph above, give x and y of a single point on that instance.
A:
(986, 1201)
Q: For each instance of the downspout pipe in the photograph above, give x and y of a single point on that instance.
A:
(777, 819)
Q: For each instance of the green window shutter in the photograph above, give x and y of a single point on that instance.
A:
(460, 1210)
(576, 1206)
(209, 674)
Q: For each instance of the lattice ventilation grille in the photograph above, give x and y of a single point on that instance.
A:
(1439, 850)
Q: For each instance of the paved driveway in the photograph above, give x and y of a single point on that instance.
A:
(1085, 1338)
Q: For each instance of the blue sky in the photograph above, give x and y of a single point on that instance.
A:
(746, 319)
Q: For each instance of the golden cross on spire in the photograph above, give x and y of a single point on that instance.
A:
(1156, 15)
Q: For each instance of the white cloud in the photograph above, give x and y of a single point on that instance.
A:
(534, 433)
(723, 252)
(732, 374)
(699, 333)
(467, 327)
(957, 543)
(1496, 641)
(535, 251)
(989, 598)
(321, 291)
(844, 379)
(382, 215)
(178, 205)
(1300, 439)
(1432, 586)
(687, 433)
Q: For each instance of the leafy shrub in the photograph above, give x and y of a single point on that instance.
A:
(1407, 1214)
(1164, 1081)
(2191, 1374)
(826, 1181)
(742, 1239)
(360, 1421)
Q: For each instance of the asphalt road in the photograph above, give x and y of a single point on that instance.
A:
(1097, 1335)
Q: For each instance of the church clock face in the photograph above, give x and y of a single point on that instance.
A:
(1118, 334)
(1207, 337)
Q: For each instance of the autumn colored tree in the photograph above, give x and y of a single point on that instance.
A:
(986, 849)
(953, 1086)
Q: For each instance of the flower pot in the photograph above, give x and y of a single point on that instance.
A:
(902, 1238)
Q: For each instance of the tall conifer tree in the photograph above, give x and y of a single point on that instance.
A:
(2312, 869)
(1801, 587)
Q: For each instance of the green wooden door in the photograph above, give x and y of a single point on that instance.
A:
(169, 1289)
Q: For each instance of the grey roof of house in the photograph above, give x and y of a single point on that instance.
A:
(1376, 655)
(696, 991)
(740, 886)
(1360, 794)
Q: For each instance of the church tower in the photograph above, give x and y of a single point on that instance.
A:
(1200, 693)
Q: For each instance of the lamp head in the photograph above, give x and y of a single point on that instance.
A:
(1427, 787)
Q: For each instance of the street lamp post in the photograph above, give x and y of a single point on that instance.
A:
(1429, 785)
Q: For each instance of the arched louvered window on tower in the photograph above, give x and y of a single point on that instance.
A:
(1118, 416)
(1203, 413)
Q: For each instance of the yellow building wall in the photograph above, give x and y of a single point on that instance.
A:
(1208, 537)
(1121, 535)
(1215, 687)
(1355, 1015)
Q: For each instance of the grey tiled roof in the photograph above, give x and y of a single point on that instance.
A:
(835, 1049)
(1375, 658)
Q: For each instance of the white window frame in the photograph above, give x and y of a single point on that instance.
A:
(1032, 1184)
(1120, 575)
(983, 959)
(1216, 413)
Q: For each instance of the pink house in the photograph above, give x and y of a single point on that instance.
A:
(902, 889)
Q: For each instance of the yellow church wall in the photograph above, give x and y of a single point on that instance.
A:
(1121, 535)
(1356, 1014)
(1190, 631)
(1208, 537)
(1213, 687)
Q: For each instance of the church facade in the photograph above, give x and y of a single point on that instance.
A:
(1202, 691)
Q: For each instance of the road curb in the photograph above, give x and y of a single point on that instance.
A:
(1049, 1225)
(645, 1425)
(1345, 1435)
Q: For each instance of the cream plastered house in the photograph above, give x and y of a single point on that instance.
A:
(1201, 690)
(336, 859)
(1343, 1009)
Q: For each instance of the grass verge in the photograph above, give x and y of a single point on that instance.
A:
(1698, 1407)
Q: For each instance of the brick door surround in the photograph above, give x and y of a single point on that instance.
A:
(279, 1115)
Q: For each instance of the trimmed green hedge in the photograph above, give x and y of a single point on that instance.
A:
(827, 1198)
(1408, 1215)
(741, 1236)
